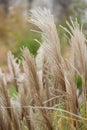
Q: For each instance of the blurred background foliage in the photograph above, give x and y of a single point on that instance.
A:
(15, 30)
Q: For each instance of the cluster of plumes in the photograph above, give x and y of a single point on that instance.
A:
(46, 81)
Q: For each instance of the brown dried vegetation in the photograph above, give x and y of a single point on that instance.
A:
(46, 82)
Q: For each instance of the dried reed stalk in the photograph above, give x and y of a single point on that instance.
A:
(79, 55)
(26, 100)
(43, 74)
(33, 81)
(51, 45)
(14, 68)
(5, 101)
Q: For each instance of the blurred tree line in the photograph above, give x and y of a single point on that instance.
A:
(64, 7)
(4, 4)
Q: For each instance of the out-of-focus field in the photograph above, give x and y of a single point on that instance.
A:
(15, 31)
(14, 34)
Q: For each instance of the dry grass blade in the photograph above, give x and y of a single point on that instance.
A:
(65, 82)
(26, 100)
(5, 102)
(30, 69)
(14, 69)
(43, 19)
(5, 121)
(4, 92)
(51, 45)
(79, 53)
(16, 115)
(32, 77)
(43, 73)
(70, 89)
(79, 49)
